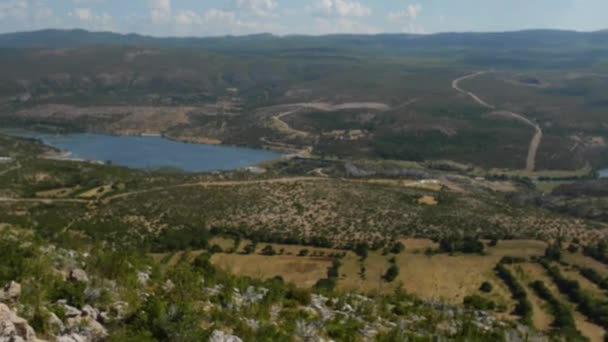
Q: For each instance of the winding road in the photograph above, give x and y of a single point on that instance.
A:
(538, 135)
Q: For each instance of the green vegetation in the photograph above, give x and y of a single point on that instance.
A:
(563, 319)
(479, 303)
(596, 310)
(523, 307)
(468, 245)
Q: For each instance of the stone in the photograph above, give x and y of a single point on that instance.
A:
(220, 336)
(143, 278)
(14, 328)
(92, 329)
(90, 311)
(55, 324)
(71, 311)
(79, 275)
(168, 286)
(72, 338)
(119, 309)
(12, 291)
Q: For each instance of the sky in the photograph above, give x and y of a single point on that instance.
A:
(313, 17)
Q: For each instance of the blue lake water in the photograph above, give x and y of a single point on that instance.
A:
(152, 152)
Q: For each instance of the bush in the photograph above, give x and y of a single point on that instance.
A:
(596, 310)
(523, 307)
(268, 250)
(397, 248)
(466, 245)
(486, 287)
(249, 248)
(392, 273)
(215, 249)
(362, 250)
(553, 252)
(304, 252)
(479, 303)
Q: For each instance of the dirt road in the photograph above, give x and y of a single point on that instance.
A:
(286, 180)
(42, 200)
(10, 169)
(538, 135)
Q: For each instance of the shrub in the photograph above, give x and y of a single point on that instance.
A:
(397, 248)
(304, 252)
(523, 307)
(268, 250)
(249, 248)
(486, 287)
(392, 273)
(215, 249)
(478, 303)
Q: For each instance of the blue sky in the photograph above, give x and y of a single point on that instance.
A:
(222, 17)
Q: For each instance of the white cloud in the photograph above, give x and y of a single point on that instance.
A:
(411, 12)
(160, 11)
(341, 8)
(31, 13)
(14, 9)
(343, 25)
(90, 20)
(83, 14)
(260, 8)
(407, 19)
(220, 22)
(86, 2)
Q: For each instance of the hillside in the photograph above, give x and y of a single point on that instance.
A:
(384, 96)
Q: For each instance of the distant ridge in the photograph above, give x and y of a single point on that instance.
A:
(53, 38)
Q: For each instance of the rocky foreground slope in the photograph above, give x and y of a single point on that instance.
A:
(105, 294)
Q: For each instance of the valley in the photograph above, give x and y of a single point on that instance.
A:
(335, 188)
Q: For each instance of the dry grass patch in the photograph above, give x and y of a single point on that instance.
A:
(590, 330)
(301, 271)
(56, 193)
(585, 261)
(96, 192)
(541, 317)
(428, 200)
(586, 284)
(412, 245)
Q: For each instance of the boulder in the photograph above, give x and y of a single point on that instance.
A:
(143, 278)
(72, 338)
(220, 336)
(71, 311)
(79, 275)
(55, 324)
(90, 311)
(14, 328)
(12, 291)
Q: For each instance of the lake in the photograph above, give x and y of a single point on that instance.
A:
(603, 173)
(151, 152)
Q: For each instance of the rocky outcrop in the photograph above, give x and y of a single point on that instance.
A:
(11, 292)
(14, 328)
(82, 325)
(79, 275)
(220, 336)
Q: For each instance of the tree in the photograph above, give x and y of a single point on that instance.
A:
(249, 249)
(392, 273)
(362, 250)
(268, 250)
(486, 287)
(553, 252)
(397, 248)
(215, 249)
